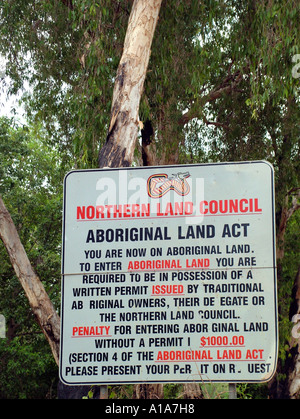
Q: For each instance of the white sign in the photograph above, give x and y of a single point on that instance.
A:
(168, 275)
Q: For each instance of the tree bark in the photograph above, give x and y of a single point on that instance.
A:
(120, 143)
(39, 301)
(148, 391)
(192, 391)
(118, 151)
(286, 213)
(122, 134)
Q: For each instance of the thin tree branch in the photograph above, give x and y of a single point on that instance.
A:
(228, 85)
(216, 124)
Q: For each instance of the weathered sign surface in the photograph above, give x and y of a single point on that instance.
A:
(168, 275)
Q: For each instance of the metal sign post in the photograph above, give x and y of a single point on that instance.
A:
(232, 391)
(168, 275)
(103, 392)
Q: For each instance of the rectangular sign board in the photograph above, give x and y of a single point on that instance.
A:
(168, 275)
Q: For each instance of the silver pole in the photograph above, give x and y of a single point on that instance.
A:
(232, 391)
(103, 392)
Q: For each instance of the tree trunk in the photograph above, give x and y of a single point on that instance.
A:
(148, 391)
(39, 301)
(286, 212)
(192, 391)
(120, 143)
(122, 134)
(118, 151)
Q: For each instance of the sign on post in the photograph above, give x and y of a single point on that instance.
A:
(168, 275)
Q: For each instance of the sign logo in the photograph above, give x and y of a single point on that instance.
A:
(158, 185)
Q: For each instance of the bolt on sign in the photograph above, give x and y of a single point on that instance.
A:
(168, 275)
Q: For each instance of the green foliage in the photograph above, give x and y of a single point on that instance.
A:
(172, 391)
(120, 391)
(31, 187)
(28, 370)
(70, 56)
(252, 391)
(289, 269)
